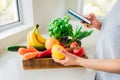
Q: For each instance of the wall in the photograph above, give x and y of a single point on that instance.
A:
(47, 10)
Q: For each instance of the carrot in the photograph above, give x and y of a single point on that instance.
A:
(30, 55)
(22, 51)
(31, 49)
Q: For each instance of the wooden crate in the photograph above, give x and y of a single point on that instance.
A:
(44, 63)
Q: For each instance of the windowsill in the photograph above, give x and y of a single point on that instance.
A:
(13, 36)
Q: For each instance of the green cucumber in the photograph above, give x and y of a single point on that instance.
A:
(40, 48)
(15, 48)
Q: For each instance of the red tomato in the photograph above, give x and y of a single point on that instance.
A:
(74, 45)
(78, 51)
(62, 44)
(69, 50)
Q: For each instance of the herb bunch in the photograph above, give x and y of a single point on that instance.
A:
(59, 28)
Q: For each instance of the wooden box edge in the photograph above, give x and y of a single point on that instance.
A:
(44, 63)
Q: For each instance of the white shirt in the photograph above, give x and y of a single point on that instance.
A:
(108, 46)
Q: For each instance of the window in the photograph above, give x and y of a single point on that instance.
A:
(9, 12)
(98, 7)
(13, 33)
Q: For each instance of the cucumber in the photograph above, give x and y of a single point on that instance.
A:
(40, 48)
(15, 48)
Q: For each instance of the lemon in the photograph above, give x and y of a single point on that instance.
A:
(56, 53)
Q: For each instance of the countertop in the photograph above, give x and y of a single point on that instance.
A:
(11, 67)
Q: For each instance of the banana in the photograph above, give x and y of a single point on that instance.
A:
(32, 38)
(39, 37)
(28, 39)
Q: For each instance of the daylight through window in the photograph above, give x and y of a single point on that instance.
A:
(98, 7)
(9, 12)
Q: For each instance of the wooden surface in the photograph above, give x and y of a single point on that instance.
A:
(43, 63)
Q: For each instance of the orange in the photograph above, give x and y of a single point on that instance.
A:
(50, 42)
(56, 53)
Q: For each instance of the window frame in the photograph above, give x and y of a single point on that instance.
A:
(18, 32)
(17, 23)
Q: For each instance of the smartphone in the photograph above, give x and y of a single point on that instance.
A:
(78, 16)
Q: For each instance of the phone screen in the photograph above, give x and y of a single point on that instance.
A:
(78, 16)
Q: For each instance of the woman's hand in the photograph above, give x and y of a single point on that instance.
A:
(70, 59)
(95, 23)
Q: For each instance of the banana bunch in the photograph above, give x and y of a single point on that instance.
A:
(34, 38)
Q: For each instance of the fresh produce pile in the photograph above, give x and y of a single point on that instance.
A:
(62, 36)
(62, 30)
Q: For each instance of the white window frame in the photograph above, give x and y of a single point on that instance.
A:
(14, 24)
(18, 32)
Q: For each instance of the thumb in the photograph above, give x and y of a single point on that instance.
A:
(91, 16)
(63, 52)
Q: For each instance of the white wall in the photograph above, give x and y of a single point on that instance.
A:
(47, 10)
(72, 4)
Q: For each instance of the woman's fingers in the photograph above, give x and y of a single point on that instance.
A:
(91, 16)
(70, 59)
(65, 53)
(87, 25)
(56, 60)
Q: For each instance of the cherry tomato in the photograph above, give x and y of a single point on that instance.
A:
(78, 51)
(74, 45)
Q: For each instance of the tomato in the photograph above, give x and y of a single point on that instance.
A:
(62, 44)
(78, 51)
(74, 45)
(69, 50)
